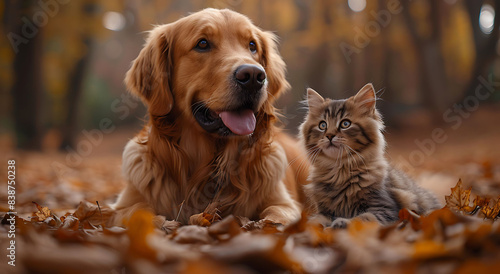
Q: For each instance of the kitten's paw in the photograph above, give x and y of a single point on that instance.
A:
(340, 223)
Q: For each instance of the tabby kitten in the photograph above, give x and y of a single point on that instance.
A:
(350, 176)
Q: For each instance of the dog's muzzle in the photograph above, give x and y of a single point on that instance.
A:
(239, 117)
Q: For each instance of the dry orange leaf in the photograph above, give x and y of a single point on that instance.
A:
(429, 249)
(92, 214)
(140, 225)
(410, 216)
(71, 222)
(42, 213)
(459, 199)
(481, 202)
(436, 222)
(491, 212)
(298, 226)
(203, 219)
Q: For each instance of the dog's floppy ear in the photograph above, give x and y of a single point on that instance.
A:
(274, 65)
(149, 76)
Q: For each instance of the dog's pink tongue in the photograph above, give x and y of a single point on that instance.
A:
(239, 122)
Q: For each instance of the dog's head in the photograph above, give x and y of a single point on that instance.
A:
(213, 67)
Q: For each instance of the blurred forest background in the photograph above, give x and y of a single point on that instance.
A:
(62, 62)
(65, 117)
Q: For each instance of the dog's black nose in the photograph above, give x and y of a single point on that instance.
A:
(250, 77)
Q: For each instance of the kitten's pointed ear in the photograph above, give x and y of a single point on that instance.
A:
(366, 97)
(313, 98)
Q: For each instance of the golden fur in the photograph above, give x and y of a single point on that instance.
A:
(173, 160)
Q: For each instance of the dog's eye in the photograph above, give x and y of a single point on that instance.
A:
(252, 46)
(202, 45)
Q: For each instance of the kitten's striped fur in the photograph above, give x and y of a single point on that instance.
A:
(350, 176)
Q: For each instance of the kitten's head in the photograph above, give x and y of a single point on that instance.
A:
(337, 129)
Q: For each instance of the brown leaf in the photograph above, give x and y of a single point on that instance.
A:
(258, 252)
(491, 212)
(69, 236)
(88, 212)
(459, 198)
(71, 222)
(481, 202)
(192, 234)
(209, 216)
(320, 236)
(436, 222)
(203, 219)
(140, 225)
(225, 229)
(263, 225)
(299, 226)
(410, 216)
(42, 213)
(429, 249)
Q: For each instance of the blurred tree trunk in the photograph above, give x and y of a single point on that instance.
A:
(317, 68)
(387, 94)
(430, 62)
(485, 44)
(27, 86)
(75, 88)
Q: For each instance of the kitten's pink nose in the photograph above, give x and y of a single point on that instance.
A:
(330, 137)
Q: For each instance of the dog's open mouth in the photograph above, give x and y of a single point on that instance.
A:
(225, 123)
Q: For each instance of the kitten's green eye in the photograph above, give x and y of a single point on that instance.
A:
(345, 124)
(322, 125)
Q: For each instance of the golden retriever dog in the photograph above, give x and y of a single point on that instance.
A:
(209, 81)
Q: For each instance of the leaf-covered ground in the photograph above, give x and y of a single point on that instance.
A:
(64, 229)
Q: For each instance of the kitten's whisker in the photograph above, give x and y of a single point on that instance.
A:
(359, 155)
(349, 163)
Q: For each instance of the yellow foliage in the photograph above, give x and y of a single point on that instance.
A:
(457, 45)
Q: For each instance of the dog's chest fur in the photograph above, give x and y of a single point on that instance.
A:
(219, 175)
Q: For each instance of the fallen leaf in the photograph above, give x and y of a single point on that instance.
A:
(42, 213)
(491, 212)
(459, 198)
(411, 217)
(298, 226)
(436, 222)
(71, 222)
(192, 234)
(203, 219)
(429, 249)
(263, 225)
(140, 225)
(225, 229)
(92, 215)
(209, 216)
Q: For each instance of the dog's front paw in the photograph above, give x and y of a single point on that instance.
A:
(340, 223)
